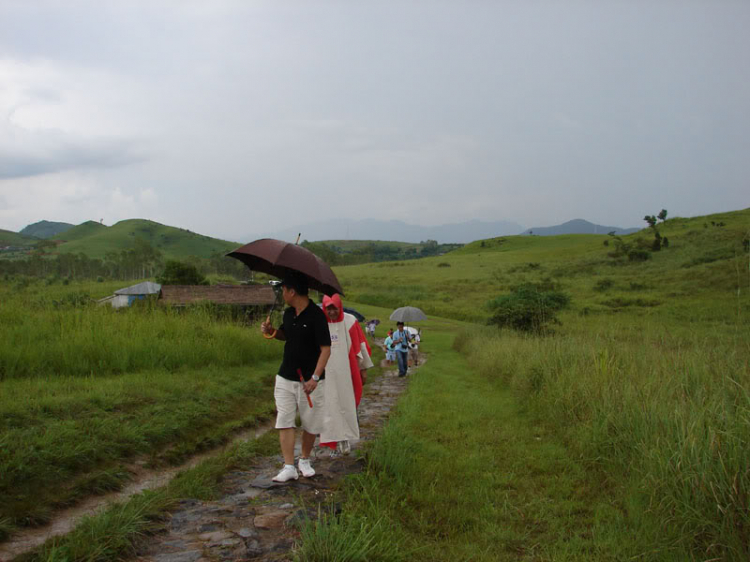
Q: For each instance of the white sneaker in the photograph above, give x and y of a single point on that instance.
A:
(287, 473)
(306, 468)
(344, 447)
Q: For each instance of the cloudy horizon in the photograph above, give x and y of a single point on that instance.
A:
(231, 117)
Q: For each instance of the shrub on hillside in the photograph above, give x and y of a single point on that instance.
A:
(639, 255)
(179, 273)
(604, 285)
(527, 308)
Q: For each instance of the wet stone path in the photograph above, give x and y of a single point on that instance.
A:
(256, 518)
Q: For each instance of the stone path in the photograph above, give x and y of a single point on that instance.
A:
(257, 519)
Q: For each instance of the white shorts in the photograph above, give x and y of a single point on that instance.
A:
(290, 398)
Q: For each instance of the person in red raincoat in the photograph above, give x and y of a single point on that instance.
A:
(345, 375)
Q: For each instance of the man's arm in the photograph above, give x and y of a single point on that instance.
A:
(325, 354)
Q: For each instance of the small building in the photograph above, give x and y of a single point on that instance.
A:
(128, 295)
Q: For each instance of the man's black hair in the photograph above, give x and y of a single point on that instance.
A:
(399, 323)
(296, 281)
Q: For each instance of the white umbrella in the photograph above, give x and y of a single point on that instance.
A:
(408, 314)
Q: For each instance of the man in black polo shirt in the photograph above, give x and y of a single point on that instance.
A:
(304, 328)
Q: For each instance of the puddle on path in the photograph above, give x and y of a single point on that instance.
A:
(256, 518)
(143, 479)
(232, 528)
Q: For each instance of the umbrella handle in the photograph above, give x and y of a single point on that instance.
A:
(272, 334)
(302, 380)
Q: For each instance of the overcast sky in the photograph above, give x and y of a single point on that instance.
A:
(235, 118)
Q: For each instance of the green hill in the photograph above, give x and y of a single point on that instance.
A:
(96, 240)
(45, 229)
(80, 232)
(9, 238)
(706, 255)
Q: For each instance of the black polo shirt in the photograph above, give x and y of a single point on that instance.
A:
(304, 336)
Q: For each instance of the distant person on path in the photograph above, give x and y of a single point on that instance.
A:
(346, 373)
(414, 348)
(401, 345)
(304, 328)
(390, 353)
(371, 328)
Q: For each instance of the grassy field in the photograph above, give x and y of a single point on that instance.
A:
(86, 389)
(612, 439)
(703, 262)
(622, 434)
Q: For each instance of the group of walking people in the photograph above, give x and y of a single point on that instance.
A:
(324, 366)
(402, 346)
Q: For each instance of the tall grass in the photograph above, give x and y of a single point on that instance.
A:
(347, 538)
(669, 412)
(84, 389)
(46, 337)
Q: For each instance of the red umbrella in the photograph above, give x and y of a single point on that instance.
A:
(278, 258)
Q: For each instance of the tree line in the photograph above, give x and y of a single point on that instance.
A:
(372, 252)
(140, 261)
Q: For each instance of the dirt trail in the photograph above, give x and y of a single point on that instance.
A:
(257, 519)
(206, 526)
(142, 479)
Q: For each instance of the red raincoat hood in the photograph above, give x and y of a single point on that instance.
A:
(335, 300)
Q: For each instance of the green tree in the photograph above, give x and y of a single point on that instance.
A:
(652, 223)
(529, 308)
(180, 273)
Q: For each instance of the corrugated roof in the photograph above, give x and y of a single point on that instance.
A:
(145, 288)
(248, 295)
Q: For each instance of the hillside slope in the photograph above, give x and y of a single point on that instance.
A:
(706, 256)
(9, 238)
(96, 240)
(80, 232)
(578, 226)
(45, 229)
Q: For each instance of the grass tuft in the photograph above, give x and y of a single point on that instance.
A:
(345, 538)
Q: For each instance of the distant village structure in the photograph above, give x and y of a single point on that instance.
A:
(128, 295)
(245, 297)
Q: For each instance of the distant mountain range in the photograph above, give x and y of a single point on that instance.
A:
(578, 226)
(95, 239)
(394, 231)
(45, 229)
(461, 233)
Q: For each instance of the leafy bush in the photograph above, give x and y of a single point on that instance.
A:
(604, 285)
(638, 255)
(179, 273)
(527, 308)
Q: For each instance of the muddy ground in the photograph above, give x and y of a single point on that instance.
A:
(256, 518)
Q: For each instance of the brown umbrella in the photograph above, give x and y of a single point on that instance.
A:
(278, 258)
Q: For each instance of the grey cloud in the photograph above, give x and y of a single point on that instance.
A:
(26, 154)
